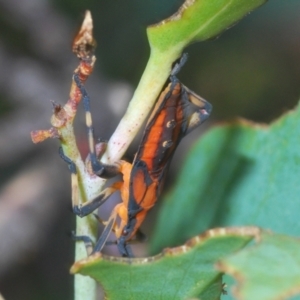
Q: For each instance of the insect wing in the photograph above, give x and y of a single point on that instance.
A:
(167, 125)
(140, 181)
(202, 111)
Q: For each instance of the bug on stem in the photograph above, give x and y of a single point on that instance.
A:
(172, 118)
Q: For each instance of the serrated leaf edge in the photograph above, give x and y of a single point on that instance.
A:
(250, 231)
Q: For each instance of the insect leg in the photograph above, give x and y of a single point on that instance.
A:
(110, 224)
(124, 235)
(104, 236)
(74, 177)
(71, 164)
(100, 169)
(139, 235)
(180, 64)
(121, 242)
(89, 245)
(89, 206)
(96, 165)
(124, 248)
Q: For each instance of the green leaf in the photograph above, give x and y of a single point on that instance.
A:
(236, 175)
(178, 273)
(269, 270)
(198, 20)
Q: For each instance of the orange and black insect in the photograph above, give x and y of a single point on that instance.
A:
(172, 118)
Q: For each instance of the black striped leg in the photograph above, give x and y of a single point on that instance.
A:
(71, 164)
(100, 169)
(109, 227)
(124, 248)
(89, 245)
(96, 165)
(122, 241)
(88, 207)
(102, 241)
(74, 177)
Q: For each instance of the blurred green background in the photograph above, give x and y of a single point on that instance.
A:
(250, 71)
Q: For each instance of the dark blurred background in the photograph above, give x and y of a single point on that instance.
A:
(250, 71)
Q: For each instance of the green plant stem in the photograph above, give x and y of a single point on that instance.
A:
(151, 83)
(85, 288)
(154, 77)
